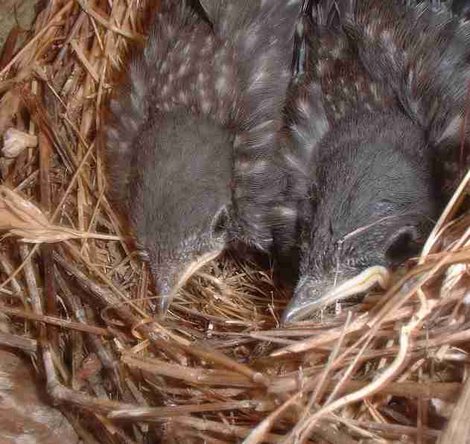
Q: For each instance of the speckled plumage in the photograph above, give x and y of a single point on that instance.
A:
(173, 73)
(388, 86)
(263, 49)
(191, 141)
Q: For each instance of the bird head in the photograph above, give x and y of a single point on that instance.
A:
(175, 255)
(371, 206)
(179, 195)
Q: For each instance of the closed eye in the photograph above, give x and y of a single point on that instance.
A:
(402, 246)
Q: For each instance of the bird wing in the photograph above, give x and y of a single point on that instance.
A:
(262, 35)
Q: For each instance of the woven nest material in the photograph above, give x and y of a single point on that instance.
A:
(218, 368)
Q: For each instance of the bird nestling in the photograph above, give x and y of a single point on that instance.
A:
(381, 98)
(192, 132)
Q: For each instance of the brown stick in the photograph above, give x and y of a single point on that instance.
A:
(25, 344)
(159, 413)
(45, 156)
(64, 323)
(394, 430)
(442, 390)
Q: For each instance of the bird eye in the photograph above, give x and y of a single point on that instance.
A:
(402, 245)
(220, 222)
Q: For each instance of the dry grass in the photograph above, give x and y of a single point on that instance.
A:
(218, 369)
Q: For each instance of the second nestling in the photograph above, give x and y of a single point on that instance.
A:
(389, 84)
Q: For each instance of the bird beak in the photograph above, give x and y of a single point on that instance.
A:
(171, 282)
(163, 287)
(308, 299)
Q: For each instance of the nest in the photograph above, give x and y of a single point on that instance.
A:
(219, 368)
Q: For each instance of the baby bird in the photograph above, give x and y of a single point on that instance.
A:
(192, 133)
(382, 97)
